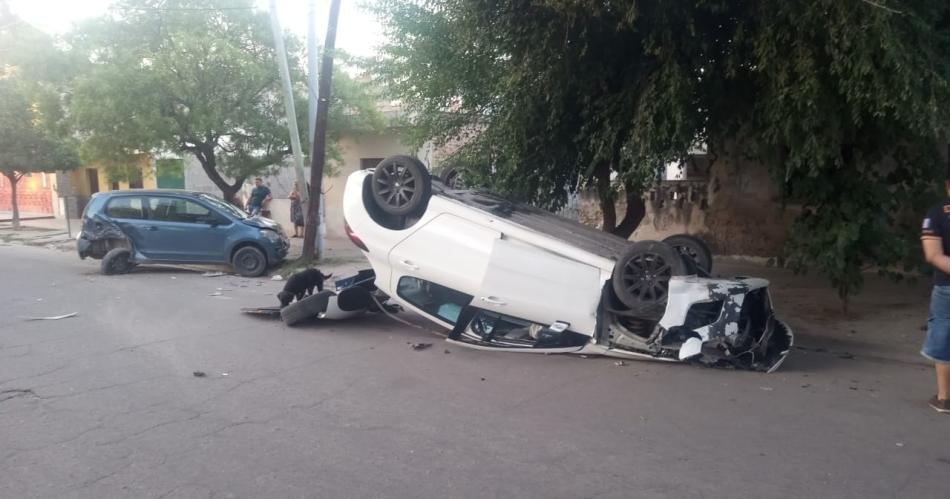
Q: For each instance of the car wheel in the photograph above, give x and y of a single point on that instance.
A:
(117, 261)
(641, 278)
(305, 309)
(249, 262)
(452, 178)
(401, 185)
(693, 248)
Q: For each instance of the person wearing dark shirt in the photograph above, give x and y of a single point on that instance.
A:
(259, 196)
(935, 239)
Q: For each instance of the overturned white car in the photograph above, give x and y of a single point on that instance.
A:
(505, 276)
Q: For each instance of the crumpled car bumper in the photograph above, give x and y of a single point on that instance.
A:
(728, 320)
(83, 246)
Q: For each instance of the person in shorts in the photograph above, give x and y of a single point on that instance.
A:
(260, 195)
(935, 239)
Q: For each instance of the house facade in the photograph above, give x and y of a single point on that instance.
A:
(72, 189)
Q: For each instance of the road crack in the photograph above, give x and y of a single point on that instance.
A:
(14, 393)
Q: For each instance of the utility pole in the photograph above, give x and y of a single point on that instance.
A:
(281, 53)
(312, 99)
(318, 159)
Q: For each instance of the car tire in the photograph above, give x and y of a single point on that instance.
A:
(641, 277)
(308, 308)
(249, 261)
(117, 261)
(452, 178)
(694, 249)
(401, 185)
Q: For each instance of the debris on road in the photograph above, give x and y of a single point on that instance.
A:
(265, 311)
(619, 363)
(766, 388)
(277, 277)
(420, 346)
(199, 374)
(213, 274)
(447, 351)
(216, 293)
(52, 318)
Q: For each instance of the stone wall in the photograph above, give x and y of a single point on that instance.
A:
(732, 202)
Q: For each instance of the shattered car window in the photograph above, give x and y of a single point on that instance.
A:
(126, 207)
(490, 326)
(432, 298)
(223, 206)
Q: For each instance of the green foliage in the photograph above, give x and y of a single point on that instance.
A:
(544, 94)
(853, 102)
(25, 146)
(192, 76)
(846, 102)
(33, 133)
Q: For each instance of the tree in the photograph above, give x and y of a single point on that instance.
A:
(24, 145)
(34, 136)
(549, 96)
(192, 76)
(851, 107)
(845, 102)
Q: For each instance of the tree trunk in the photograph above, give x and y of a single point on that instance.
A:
(608, 208)
(209, 163)
(318, 153)
(12, 176)
(633, 215)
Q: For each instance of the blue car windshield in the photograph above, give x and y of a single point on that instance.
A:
(221, 205)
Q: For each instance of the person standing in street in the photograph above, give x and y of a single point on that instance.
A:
(935, 238)
(296, 210)
(259, 195)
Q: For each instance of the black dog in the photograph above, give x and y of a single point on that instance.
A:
(301, 284)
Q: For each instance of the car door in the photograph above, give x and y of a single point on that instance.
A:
(528, 282)
(184, 230)
(128, 212)
(440, 266)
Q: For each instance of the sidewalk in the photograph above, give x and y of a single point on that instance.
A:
(7, 216)
(48, 232)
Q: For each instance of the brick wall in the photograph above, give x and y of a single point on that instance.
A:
(32, 195)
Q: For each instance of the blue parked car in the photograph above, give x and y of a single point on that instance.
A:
(127, 228)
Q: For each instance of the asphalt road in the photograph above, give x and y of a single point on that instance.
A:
(106, 405)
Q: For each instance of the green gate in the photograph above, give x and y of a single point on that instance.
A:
(170, 174)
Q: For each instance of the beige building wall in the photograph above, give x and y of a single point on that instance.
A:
(354, 149)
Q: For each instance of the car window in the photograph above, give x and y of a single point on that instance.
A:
(126, 207)
(177, 210)
(433, 299)
(223, 206)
